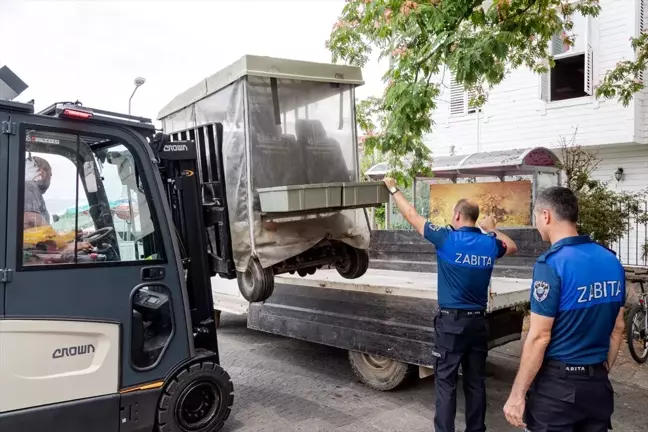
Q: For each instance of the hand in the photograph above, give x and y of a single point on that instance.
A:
(80, 246)
(389, 182)
(514, 411)
(488, 224)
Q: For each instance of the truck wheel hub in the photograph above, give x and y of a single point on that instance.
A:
(198, 405)
(377, 362)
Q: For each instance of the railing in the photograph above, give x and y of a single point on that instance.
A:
(632, 248)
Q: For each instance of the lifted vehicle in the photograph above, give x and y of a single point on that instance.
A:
(112, 330)
(278, 154)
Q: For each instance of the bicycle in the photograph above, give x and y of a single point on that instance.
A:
(637, 328)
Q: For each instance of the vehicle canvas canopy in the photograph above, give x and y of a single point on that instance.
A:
(538, 165)
(286, 125)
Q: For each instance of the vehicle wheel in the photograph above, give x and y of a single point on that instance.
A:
(355, 264)
(198, 399)
(380, 373)
(257, 283)
(637, 335)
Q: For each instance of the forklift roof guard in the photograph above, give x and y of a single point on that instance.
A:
(500, 163)
(267, 67)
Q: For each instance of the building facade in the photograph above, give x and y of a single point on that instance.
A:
(528, 110)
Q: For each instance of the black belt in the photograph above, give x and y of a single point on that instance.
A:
(462, 312)
(569, 369)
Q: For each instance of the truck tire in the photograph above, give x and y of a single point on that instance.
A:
(257, 283)
(198, 398)
(380, 373)
(355, 263)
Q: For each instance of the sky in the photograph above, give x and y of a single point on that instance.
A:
(92, 50)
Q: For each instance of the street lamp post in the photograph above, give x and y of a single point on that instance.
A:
(139, 81)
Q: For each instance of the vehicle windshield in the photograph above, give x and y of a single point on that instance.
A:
(301, 132)
(76, 188)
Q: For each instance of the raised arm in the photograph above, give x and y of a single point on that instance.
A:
(505, 245)
(406, 208)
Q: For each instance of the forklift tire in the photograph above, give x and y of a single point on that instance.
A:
(380, 373)
(198, 398)
(355, 264)
(257, 283)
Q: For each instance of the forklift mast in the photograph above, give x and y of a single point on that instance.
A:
(177, 164)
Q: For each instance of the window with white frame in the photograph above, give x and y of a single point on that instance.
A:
(460, 99)
(572, 75)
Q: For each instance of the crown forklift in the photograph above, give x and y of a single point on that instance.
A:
(110, 327)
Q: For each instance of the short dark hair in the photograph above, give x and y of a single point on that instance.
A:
(468, 209)
(561, 200)
(43, 164)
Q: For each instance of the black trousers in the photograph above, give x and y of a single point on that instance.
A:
(566, 398)
(461, 339)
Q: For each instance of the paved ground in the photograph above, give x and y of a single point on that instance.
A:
(285, 385)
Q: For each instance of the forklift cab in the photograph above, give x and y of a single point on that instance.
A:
(106, 317)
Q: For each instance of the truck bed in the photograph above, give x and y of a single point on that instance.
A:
(504, 292)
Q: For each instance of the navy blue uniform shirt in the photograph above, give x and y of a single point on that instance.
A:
(465, 260)
(580, 284)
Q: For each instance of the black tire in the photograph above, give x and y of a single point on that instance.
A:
(380, 373)
(355, 264)
(636, 335)
(257, 283)
(204, 383)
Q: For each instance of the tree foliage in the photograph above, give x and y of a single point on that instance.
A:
(604, 213)
(479, 41)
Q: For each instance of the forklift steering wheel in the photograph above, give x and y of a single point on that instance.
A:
(100, 234)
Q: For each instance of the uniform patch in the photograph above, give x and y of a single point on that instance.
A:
(433, 227)
(540, 290)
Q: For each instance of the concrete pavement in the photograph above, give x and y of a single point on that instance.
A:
(285, 385)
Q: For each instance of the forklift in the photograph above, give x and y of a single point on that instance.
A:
(100, 331)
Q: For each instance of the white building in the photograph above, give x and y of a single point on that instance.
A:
(528, 110)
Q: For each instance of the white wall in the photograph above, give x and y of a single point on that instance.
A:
(634, 161)
(515, 116)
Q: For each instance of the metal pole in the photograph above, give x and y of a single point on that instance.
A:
(130, 99)
(139, 81)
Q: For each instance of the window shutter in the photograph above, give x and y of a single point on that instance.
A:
(557, 45)
(642, 15)
(544, 84)
(589, 59)
(457, 98)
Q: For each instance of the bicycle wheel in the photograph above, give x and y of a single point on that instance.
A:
(637, 333)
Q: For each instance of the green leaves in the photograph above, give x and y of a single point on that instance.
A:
(627, 77)
(479, 41)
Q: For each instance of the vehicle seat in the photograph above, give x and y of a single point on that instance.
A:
(276, 159)
(322, 156)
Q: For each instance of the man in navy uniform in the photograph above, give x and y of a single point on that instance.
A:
(577, 299)
(465, 259)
